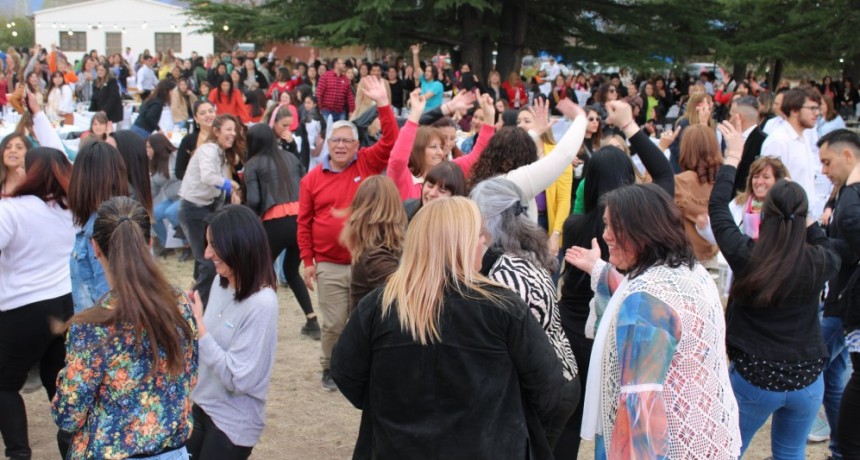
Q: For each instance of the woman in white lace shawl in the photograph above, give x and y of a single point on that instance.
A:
(658, 384)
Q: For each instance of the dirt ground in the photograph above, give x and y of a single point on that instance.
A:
(303, 421)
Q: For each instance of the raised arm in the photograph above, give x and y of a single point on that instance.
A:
(735, 246)
(621, 115)
(398, 163)
(416, 64)
(536, 177)
(376, 156)
(45, 133)
(467, 161)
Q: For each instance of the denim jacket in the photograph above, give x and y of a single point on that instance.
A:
(89, 282)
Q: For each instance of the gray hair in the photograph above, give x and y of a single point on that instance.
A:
(503, 207)
(748, 107)
(344, 124)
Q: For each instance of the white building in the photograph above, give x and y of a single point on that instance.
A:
(109, 26)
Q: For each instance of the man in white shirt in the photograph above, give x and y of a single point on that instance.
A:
(146, 79)
(779, 119)
(790, 144)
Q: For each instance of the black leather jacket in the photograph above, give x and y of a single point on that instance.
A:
(263, 187)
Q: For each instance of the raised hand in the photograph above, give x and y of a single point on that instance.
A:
(489, 107)
(374, 88)
(540, 112)
(416, 48)
(569, 109)
(417, 102)
(704, 111)
(462, 102)
(620, 114)
(734, 142)
(668, 137)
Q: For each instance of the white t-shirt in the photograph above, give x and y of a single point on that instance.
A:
(36, 240)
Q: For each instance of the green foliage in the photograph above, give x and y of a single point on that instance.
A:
(637, 33)
(25, 34)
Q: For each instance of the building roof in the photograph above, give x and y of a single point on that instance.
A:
(50, 6)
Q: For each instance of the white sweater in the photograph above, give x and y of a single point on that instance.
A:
(36, 241)
(538, 176)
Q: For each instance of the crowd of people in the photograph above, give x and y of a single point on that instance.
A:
(500, 271)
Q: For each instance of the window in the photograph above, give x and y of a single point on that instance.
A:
(165, 41)
(73, 40)
(114, 42)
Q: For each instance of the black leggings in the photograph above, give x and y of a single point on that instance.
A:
(848, 425)
(207, 442)
(567, 446)
(283, 234)
(27, 340)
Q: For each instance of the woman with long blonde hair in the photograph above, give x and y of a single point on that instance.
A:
(446, 349)
(374, 234)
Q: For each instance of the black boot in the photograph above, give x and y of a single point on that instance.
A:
(312, 328)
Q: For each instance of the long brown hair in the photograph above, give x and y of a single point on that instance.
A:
(781, 252)
(377, 218)
(700, 153)
(423, 138)
(48, 175)
(237, 150)
(4, 144)
(99, 174)
(161, 150)
(144, 301)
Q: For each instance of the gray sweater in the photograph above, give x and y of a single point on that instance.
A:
(236, 359)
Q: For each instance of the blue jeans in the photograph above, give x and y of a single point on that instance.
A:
(165, 210)
(836, 374)
(279, 267)
(335, 116)
(793, 413)
(178, 454)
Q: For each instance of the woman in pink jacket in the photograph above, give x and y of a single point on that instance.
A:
(420, 148)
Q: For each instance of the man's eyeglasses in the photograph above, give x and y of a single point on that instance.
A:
(340, 140)
(814, 108)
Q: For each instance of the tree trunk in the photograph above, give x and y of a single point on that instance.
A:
(851, 67)
(777, 73)
(739, 71)
(514, 24)
(472, 50)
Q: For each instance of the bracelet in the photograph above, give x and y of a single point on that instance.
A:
(628, 124)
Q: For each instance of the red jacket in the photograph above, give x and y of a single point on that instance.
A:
(322, 190)
(334, 93)
(234, 106)
(512, 94)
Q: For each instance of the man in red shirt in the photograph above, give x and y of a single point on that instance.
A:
(329, 186)
(334, 93)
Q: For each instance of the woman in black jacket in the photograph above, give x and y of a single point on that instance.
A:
(106, 95)
(250, 77)
(772, 327)
(149, 114)
(443, 362)
(272, 191)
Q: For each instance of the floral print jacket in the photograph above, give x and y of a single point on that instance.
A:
(106, 397)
